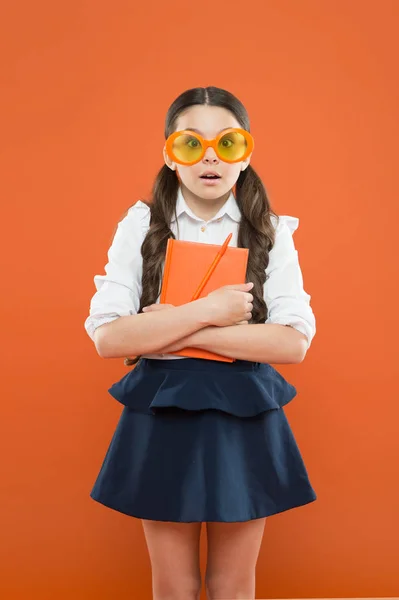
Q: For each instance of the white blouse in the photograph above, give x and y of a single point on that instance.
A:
(118, 291)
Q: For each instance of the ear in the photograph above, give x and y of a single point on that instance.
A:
(168, 162)
(246, 163)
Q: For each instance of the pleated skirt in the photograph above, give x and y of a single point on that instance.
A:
(202, 441)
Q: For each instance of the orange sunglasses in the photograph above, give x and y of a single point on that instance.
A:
(187, 147)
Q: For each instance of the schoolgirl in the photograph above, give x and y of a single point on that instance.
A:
(201, 441)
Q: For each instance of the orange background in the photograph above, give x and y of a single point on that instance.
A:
(85, 89)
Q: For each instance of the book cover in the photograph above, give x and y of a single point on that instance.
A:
(186, 264)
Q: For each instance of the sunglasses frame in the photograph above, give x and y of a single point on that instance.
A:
(209, 144)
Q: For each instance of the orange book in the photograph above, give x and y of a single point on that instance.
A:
(186, 264)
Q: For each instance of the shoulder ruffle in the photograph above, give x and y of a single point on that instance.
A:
(140, 212)
(291, 222)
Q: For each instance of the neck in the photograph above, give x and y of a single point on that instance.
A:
(203, 208)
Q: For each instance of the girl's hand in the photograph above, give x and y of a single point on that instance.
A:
(247, 317)
(230, 305)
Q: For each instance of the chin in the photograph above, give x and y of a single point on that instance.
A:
(213, 192)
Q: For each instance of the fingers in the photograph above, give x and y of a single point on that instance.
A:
(241, 287)
(248, 317)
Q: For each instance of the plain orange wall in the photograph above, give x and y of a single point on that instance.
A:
(85, 88)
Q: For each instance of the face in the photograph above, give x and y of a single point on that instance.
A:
(208, 121)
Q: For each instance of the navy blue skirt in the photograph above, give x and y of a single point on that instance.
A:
(201, 441)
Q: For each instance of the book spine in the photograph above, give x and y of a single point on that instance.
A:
(168, 262)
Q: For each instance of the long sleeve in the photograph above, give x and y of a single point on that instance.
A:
(118, 291)
(287, 301)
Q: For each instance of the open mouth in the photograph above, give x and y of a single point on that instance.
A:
(210, 176)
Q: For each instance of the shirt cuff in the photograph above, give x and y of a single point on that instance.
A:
(94, 321)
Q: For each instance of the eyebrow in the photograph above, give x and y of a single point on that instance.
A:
(200, 132)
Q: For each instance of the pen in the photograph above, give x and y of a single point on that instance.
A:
(211, 269)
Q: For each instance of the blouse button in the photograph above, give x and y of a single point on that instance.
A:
(203, 228)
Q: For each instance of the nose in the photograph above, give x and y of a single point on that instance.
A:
(210, 157)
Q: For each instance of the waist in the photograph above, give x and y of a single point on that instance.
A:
(199, 364)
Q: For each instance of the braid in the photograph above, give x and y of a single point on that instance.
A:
(256, 233)
(153, 249)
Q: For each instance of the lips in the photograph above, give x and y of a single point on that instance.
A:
(210, 175)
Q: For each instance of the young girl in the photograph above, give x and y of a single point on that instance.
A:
(201, 440)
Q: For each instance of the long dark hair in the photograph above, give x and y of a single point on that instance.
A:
(256, 231)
